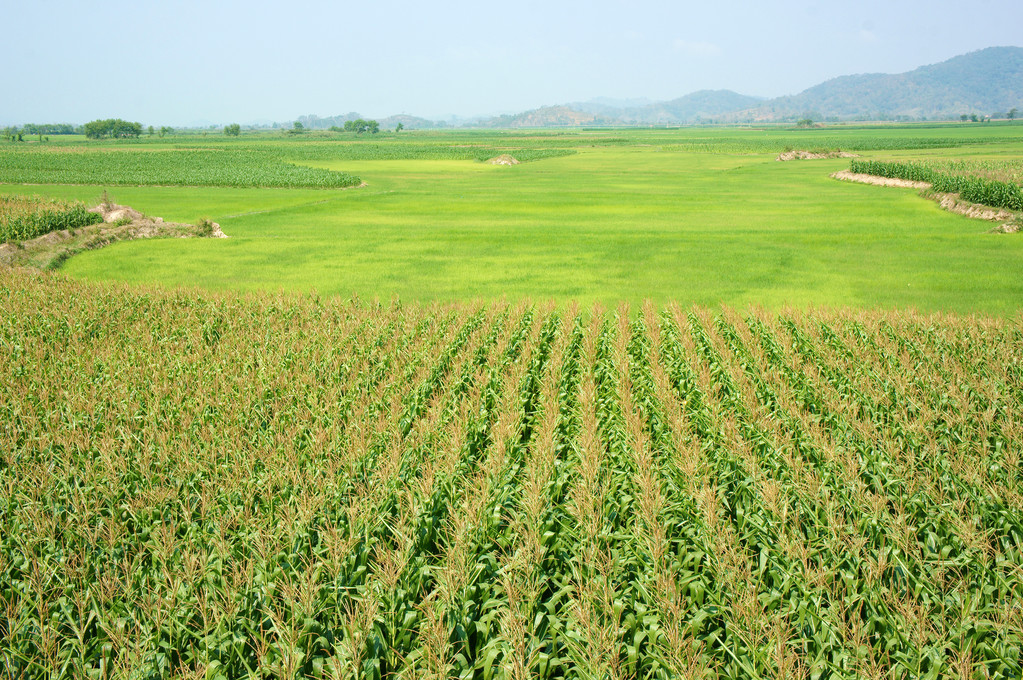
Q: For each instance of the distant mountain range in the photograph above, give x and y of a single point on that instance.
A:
(988, 82)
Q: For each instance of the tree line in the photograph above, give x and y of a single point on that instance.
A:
(112, 127)
(358, 126)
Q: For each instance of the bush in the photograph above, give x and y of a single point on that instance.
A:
(204, 227)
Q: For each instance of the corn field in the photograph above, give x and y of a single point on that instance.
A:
(202, 485)
(972, 182)
(26, 217)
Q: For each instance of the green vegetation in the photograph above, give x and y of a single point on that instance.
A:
(233, 130)
(210, 485)
(26, 217)
(112, 127)
(255, 167)
(359, 126)
(48, 129)
(698, 215)
(970, 187)
(224, 484)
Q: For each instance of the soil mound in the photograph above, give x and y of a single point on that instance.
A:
(504, 159)
(1010, 228)
(111, 212)
(813, 155)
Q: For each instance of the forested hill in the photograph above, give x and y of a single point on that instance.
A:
(986, 82)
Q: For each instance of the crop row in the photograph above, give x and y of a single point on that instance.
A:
(369, 151)
(778, 141)
(258, 164)
(26, 217)
(255, 167)
(970, 187)
(271, 486)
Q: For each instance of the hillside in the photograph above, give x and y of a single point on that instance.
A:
(693, 107)
(408, 122)
(547, 116)
(987, 82)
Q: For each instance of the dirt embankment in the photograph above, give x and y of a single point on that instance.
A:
(800, 155)
(879, 181)
(504, 159)
(950, 202)
(120, 223)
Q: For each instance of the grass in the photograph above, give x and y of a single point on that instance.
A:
(702, 216)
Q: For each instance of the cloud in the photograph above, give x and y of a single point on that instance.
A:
(696, 48)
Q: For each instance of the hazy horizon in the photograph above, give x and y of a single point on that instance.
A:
(223, 62)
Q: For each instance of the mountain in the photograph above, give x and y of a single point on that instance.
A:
(408, 122)
(547, 116)
(693, 107)
(986, 81)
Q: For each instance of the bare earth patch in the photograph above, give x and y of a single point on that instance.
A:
(503, 159)
(800, 155)
(952, 203)
(120, 223)
(847, 176)
(949, 202)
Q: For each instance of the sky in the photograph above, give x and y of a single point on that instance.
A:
(222, 61)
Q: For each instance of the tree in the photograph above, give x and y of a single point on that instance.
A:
(359, 126)
(1012, 113)
(297, 129)
(164, 130)
(399, 127)
(151, 130)
(233, 130)
(112, 127)
(964, 117)
(973, 117)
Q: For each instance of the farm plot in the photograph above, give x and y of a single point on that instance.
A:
(271, 486)
(25, 217)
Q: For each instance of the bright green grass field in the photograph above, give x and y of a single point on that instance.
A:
(630, 220)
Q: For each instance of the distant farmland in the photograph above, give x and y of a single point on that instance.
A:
(694, 215)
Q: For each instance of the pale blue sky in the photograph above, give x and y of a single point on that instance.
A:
(176, 63)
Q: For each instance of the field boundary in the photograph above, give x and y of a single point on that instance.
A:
(120, 223)
(951, 202)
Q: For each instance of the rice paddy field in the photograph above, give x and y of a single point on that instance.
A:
(650, 404)
(697, 215)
